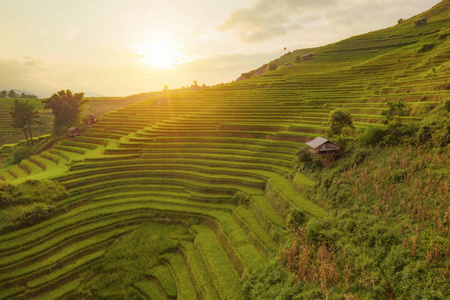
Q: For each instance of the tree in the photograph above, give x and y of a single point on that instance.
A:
(272, 66)
(66, 107)
(394, 113)
(393, 119)
(3, 94)
(339, 119)
(13, 94)
(298, 59)
(29, 96)
(421, 22)
(24, 115)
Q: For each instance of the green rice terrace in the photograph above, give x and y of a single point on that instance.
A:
(193, 195)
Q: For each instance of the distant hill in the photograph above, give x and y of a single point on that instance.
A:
(19, 91)
(93, 94)
(405, 33)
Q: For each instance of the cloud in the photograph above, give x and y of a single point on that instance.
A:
(43, 31)
(227, 64)
(71, 32)
(269, 20)
(27, 73)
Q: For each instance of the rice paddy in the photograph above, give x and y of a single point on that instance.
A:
(177, 197)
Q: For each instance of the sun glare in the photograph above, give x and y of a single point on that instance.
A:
(160, 53)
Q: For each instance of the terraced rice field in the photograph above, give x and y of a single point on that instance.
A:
(209, 173)
(10, 135)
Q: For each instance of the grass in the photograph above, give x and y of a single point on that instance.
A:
(150, 289)
(224, 276)
(185, 286)
(165, 278)
(199, 273)
(257, 234)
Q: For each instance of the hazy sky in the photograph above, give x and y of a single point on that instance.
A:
(123, 47)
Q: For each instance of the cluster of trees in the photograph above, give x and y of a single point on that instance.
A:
(66, 108)
(193, 87)
(24, 114)
(393, 114)
(13, 94)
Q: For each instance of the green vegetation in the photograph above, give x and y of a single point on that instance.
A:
(13, 94)
(130, 259)
(66, 107)
(386, 235)
(340, 119)
(210, 193)
(28, 203)
(9, 134)
(24, 115)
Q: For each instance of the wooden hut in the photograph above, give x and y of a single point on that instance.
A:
(308, 56)
(73, 131)
(323, 147)
(92, 119)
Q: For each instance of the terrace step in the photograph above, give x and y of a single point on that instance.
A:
(199, 274)
(284, 197)
(255, 233)
(150, 290)
(218, 265)
(185, 285)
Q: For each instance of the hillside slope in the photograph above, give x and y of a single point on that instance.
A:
(181, 196)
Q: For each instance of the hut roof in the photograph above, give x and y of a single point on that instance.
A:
(317, 142)
(73, 129)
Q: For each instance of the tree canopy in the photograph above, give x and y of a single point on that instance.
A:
(339, 119)
(66, 108)
(24, 115)
(394, 112)
(13, 94)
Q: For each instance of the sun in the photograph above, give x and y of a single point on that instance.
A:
(161, 53)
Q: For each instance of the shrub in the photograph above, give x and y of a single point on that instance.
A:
(371, 136)
(424, 134)
(30, 192)
(420, 109)
(304, 156)
(397, 176)
(272, 66)
(399, 133)
(421, 22)
(36, 214)
(19, 153)
(241, 198)
(318, 229)
(5, 199)
(360, 154)
(447, 105)
(45, 191)
(296, 217)
(443, 86)
(426, 48)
